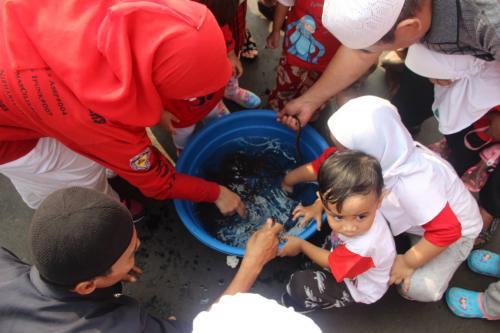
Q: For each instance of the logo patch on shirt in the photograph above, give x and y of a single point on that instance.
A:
(141, 161)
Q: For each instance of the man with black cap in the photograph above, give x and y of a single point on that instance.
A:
(83, 245)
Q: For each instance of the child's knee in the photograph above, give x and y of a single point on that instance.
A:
(425, 290)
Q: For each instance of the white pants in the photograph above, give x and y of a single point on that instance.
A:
(429, 282)
(51, 166)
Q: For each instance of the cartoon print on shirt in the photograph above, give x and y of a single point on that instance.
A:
(303, 44)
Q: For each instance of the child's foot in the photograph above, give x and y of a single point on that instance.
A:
(465, 303)
(243, 97)
(484, 262)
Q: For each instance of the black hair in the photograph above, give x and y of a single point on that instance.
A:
(410, 8)
(349, 173)
(223, 10)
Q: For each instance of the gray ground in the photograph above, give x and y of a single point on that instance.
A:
(182, 276)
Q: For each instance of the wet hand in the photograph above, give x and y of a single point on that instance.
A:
(301, 108)
(292, 247)
(229, 203)
(133, 275)
(288, 189)
(308, 213)
(401, 273)
(262, 246)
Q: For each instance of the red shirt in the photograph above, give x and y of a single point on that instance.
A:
(307, 43)
(95, 81)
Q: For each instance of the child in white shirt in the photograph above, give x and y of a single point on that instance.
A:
(357, 267)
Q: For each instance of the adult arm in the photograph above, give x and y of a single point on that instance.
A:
(261, 248)
(344, 68)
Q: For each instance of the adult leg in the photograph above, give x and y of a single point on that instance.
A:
(430, 281)
(51, 166)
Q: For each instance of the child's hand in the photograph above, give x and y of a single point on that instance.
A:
(401, 273)
(273, 40)
(235, 64)
(166, 121)
(313, 212)
(286, 187)
(292, 247)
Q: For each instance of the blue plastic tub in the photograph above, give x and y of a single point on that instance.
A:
(210, 143)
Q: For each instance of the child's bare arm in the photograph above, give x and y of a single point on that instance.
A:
(304, 173)
(279, 17)
(295, 246)
(417, 256)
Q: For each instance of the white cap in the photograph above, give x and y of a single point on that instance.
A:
(251, 313)
(359, 24)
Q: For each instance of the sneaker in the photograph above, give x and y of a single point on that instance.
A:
(465, 303)
(136, 209)
(484, 262)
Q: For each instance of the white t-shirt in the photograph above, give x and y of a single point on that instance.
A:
(364, 262)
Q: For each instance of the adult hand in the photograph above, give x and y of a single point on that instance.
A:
(401, 273)
(133, 274)
(229, 202)
(273, 40)
(300, 107)
(166, 121)
(440, 82)
(292, 247)
(262, 246)
(235, 64)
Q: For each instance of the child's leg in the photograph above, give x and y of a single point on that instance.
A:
(218, 111)
(430, 281)
(316, 289)
(243, 97)
(182, 136)
(491, 300)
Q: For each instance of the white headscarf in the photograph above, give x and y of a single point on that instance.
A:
(372, 125)
(474, 91)
(251, 313)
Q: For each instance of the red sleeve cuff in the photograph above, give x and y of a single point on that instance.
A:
(195, 189)
(346, 264)
(444, 229)
(317, 163)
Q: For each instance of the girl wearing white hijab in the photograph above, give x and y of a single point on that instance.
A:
(425, 197)
(468, 111)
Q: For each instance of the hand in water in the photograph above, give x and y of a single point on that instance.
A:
(288, 189)
(262, 246)
(230, 203)
(308, 213)
(299, 107)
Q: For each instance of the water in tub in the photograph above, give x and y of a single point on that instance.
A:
(253, 168)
